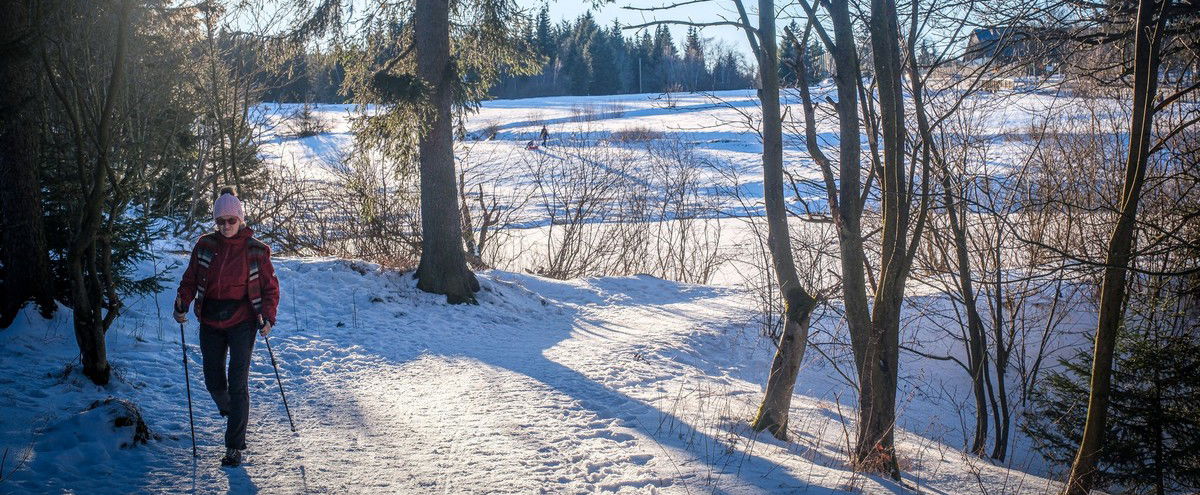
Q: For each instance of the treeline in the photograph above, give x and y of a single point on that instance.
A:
(578, 57)
(583, 58)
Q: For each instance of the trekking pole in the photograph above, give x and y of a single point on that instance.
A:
(187, 380)
(280, 382)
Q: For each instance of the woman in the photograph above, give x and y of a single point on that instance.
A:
(231, 278)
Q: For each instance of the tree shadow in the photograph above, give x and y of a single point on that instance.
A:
(624, 114)
(525, 351)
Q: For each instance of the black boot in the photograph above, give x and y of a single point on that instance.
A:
(233, 458)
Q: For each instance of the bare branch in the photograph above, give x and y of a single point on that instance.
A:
(1171, 99)
(693, 24)
(753, 39)
(664, 7)
(1163, 142)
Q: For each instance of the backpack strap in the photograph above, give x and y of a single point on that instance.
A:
(257, 253)
(206, 249)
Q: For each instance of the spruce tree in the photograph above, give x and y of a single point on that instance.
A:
(813, 62)
(644, 64)
(664, 57)
(789, 56)
(1152, 441)
(603, 66)
(693, 61)
(460, 50)
(23, 255)
(546, 43)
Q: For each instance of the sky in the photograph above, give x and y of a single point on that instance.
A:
(709, 11)
(716, 10)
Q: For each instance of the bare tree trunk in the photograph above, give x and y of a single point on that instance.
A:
(1147, 43)
(874, 331)
(976, 337)
(785, 366)
(443, 268)
(849, 182)
(845, 191)
(878, 352)
(846, 200)
(976, 346)
(219, 113)
(22, 237)
(1003, 350)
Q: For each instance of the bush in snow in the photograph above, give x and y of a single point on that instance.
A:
(623, 211)
(636, 134)
(120, 417)
(489, 132)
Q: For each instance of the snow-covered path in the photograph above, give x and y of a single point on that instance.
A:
(519, 397)
(630, 384)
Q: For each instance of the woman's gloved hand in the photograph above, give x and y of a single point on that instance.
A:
(180, 316)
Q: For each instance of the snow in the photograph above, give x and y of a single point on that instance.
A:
(621, 384)
(718, 128)
(615, 384)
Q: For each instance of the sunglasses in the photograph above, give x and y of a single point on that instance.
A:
(227, 221)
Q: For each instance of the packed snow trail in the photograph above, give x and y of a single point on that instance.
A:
(629, 384)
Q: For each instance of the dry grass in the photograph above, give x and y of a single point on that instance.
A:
(638, 134)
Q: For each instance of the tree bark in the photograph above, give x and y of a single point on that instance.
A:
(1003, 422)
(1147, 43)
(785, 366)
(849, 182)
(443, 267)
(877, 353)
(874, 421)
(976, 346)
(22, 237)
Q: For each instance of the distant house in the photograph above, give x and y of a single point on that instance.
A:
(1034, 48)
(984, 44)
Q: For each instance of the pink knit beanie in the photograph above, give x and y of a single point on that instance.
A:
(228, 205)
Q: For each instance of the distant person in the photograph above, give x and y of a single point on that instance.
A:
(545, 135)
(231, 278)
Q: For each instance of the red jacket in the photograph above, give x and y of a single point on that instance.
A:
(228, 274)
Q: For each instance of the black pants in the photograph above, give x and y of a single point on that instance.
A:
(231, 393)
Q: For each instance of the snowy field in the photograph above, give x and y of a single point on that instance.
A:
(715, 131)
(614, 384)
